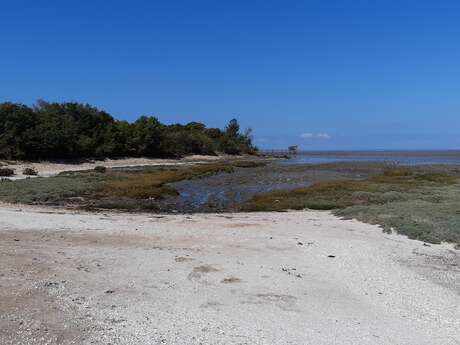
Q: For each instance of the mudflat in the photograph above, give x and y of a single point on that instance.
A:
(304, 277)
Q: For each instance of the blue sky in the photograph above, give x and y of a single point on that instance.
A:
(321, 74)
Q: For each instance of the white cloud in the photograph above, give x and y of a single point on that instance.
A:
(323, 136)
(315, 136)
(306, 135)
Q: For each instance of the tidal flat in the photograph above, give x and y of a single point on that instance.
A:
(420, 201)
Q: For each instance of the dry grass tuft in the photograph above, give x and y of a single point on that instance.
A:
(154, 184)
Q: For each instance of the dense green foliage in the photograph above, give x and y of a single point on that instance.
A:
(74, 130)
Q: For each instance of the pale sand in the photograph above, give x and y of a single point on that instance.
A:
(266, 278)
(47, 169)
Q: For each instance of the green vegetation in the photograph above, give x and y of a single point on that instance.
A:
(49, 190)
(30, 172)
(431, 214)
(4, 172)
(421, 205)
(145, 188)
(100, 169)
(76, 131)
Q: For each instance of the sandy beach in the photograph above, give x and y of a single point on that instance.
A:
(267, 278)
(230, 173)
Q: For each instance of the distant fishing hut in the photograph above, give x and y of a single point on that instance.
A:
(292, 150)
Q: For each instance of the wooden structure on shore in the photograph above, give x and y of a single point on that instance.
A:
(292, 150)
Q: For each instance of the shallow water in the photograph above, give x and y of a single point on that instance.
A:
(394, 157)
(226, 191)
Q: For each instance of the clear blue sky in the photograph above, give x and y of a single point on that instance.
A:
(321, 74)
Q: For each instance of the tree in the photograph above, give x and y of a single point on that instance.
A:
(17, 136)
(147, 133)
(233, 129)
(75, 130)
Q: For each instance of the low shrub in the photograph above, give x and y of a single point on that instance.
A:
(6, 172)
(100, 169)
(364, 198)
(30, 172)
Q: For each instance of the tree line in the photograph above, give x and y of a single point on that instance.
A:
(74, 130)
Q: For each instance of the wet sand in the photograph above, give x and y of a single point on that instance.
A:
(268, 278)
